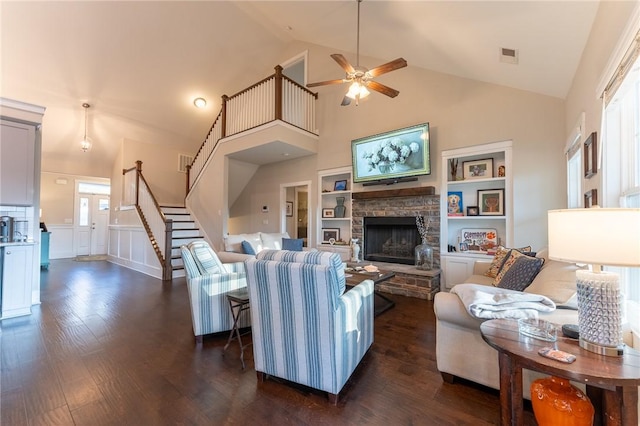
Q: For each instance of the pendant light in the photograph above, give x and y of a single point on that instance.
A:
(86, 142)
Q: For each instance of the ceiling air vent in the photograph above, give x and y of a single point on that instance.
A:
(184, 161)
(509, 56)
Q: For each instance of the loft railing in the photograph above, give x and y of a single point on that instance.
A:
(277, 97)
(158, 227)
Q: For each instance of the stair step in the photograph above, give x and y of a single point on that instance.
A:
(185, 233)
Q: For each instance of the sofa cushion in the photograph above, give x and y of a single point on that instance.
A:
(556, 280)
(272, 241)
(499, 258)
(247, 248)
(234, 242)
(521, 274)
(293, 244)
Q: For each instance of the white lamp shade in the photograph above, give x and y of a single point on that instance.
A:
(601, 236)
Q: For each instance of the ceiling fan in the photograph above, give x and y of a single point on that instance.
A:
(361, 78)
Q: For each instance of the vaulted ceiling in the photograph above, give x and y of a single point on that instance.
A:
(140, 64)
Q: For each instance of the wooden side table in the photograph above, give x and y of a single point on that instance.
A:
(238, 303)
(611, 382)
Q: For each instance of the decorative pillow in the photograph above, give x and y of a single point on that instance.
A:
(292, 244)
(499, 257)
(247, 248)
(205, 258)
(521, 273)
(508, 263)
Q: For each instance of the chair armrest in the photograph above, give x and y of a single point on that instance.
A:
(218, 284)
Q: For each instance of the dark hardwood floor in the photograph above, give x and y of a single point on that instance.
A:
(110, 346)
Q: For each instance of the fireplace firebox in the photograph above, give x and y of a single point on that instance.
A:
(390, 239)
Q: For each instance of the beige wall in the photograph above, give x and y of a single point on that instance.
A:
(57, 199)
(461, 112)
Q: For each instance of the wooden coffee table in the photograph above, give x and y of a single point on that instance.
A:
(611, 382)
(384, 303)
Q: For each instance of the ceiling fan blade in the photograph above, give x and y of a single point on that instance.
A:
(324, 83)
(342, 61)
(345, 101)
(385, 90)
(389, 66)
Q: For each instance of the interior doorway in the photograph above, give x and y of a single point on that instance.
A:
(92, 218)
(296, 68)
(295, 218)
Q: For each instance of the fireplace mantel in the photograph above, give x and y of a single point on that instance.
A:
(392, 193)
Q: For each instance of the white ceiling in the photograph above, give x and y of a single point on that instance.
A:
(140, 64)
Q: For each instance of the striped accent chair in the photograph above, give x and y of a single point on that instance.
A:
(306, 328)
(208, 282)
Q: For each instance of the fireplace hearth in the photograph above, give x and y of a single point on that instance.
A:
(390, 239)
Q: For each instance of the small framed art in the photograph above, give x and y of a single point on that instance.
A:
(478, 169)
(491, 202)
(472, 211)
(340, 185)
(454, 203)
(330, 234)
(328, 213)
(289, 208)
(591, 155)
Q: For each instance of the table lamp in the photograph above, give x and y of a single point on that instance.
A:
(597, 236)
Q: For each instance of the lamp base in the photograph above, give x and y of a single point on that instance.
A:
(599, 312)
(602, 350)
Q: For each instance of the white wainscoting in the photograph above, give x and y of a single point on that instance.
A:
(61, 242)
(129, 246)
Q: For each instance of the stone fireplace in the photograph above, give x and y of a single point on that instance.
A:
(390, 239)
(398, 208)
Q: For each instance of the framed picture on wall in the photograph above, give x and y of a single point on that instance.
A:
(289, 208)
(591, 155)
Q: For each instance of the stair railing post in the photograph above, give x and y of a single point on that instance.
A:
(223, 119)
(167, 268)
(188, 180)
(138, 171)
(278, 94)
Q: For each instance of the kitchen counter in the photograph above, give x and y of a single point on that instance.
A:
(18, 243)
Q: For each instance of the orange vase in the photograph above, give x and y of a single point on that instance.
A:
(557, 403)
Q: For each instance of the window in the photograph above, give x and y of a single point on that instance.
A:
(621, 155)
(94, 188)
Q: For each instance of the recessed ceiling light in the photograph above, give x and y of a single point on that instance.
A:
(200, 102)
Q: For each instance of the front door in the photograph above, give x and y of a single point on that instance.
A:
(93, 222)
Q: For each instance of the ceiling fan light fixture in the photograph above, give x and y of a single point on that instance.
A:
(86, 142)
(357, 90)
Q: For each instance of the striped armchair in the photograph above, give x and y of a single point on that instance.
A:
(208, 282)
(306, 328)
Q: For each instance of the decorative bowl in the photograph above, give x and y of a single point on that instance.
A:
(538, 329)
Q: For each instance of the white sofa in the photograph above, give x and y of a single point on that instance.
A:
(460, 349)
(234, 252)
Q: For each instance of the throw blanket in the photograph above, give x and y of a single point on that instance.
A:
(483, 301)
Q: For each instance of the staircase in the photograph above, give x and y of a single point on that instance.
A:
(184, 232)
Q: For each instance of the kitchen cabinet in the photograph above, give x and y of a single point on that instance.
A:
(17, 151)
(17, 272)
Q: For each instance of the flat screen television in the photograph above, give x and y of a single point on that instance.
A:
(392, 156)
